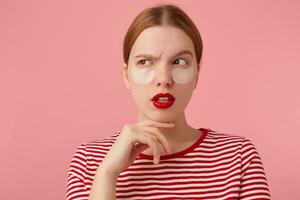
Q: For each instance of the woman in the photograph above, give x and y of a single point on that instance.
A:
(161, 156)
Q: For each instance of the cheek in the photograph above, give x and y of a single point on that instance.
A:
(139, 94)
(142, 76)
(183, 75)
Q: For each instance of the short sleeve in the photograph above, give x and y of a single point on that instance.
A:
(76, 188)
(253, 182)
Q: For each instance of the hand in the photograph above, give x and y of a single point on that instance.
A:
(134, 139)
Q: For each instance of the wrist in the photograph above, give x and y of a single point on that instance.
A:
(105, 169)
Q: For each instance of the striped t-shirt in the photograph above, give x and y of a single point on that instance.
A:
(217, 166)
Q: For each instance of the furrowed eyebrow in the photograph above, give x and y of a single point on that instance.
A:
(153, 56)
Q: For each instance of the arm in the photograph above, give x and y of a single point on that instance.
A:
(76, 187)
(254, 183)
(104, 185)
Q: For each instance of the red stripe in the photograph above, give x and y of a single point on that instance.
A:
(88, 157)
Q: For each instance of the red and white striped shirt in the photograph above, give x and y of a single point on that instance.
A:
(217, 166)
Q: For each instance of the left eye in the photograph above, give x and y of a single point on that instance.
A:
(183, 62)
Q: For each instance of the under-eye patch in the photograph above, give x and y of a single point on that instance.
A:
(145, 75)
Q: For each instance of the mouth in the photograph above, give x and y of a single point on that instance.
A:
(163, 100)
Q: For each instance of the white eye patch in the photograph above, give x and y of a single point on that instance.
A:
(142, 76)
(183, 75)
(145, 75)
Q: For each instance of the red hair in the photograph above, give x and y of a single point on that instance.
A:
(166, 14)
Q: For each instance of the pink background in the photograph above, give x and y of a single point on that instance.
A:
(61, 84)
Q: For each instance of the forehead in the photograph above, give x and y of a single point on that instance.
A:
(162, 40)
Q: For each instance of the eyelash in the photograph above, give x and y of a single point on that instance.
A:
(139, 62)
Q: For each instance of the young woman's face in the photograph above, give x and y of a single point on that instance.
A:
(155, 66)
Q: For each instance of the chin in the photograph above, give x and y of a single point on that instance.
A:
(163, 115)
(160, 115)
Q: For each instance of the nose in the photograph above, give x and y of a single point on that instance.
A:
(163, 76)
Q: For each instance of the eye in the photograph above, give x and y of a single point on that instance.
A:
(142, 62)
(181, 63)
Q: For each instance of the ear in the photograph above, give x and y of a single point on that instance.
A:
(196, 78)
(125, 75)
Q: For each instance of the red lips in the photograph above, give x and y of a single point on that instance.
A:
(166, 101)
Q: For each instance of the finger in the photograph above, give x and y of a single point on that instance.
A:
(156, 146)
(161, 137)
(156, 124)
(152, 142)
(156, 154)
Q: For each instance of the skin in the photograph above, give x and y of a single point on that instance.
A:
(152, 134)
(163, 42)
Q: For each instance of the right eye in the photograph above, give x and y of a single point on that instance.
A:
(142, 62)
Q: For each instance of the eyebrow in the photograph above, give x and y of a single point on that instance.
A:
(153, 56)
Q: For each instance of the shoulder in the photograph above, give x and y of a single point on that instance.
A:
(225, 140)
(221, 139)
(89, 155)
(97, 147)
(93, 150)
